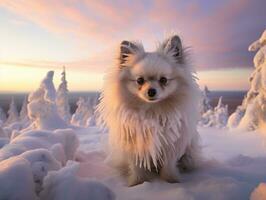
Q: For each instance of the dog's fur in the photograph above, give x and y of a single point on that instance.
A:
(157, 135)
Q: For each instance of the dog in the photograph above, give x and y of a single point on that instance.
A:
(149, 104)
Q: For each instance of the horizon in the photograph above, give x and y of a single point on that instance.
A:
(88, 83)
(84, 39)
(98, 91)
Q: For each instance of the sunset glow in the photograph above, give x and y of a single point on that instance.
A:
(37, 36)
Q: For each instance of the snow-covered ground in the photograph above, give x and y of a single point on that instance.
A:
(234, 165)
(47, 154)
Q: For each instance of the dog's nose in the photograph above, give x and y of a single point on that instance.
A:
(151, 92)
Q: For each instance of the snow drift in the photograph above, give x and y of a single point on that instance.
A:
(66, 185)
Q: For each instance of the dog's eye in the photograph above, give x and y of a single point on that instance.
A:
(163, 80)
(140, 81)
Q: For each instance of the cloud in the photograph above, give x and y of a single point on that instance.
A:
(218, 31)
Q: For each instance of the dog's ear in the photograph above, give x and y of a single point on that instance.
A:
(173, 47)
(128, 49)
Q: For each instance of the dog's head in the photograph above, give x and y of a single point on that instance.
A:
(152, 76)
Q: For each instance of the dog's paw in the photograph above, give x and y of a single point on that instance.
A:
(133, 180)
(170, 177)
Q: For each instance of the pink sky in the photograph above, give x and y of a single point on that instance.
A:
(83, 35)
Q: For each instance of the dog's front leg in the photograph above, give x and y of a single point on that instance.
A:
(169, 171)
(137, 175)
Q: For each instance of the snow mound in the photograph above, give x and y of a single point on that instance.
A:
(16, 180)
(43, 139)
(259, 193)
(41, 161)
(66, 185)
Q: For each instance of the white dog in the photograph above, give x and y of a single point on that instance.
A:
(149, 104)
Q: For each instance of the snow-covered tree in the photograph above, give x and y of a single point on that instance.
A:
(234, 119)
(23, 115)
(84, 114)
(42, 108)
(254, 103)
(12, 113)
(216, 117)
(62, 98)
(2, 115)
(205, 101)
(221, 114)
(80, 117)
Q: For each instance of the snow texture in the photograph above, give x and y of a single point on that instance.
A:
(43, 139)
(16, 180)
(234, 166)
(65, 184)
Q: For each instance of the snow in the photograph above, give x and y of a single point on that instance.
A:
(216, 117)
(42, 106)
(16, 180)
(42, 139)
(205, 101)
(66, 185)
(235, 118)
(12, 113)
(234, 165)
(2, 116)
(42, 161)
(254, 105)
(84, 114)
(62, 98)
(23, 114)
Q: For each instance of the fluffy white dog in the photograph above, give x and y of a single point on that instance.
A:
(149, 104)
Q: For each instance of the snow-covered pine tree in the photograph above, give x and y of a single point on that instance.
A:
(221, 114)
(42, 108)
(216, 117)
(235, 118)
(23, 115)
(2, 116)
(205, 101)
(79, 118)
(12, 113)
(254, 104)
(62, 98)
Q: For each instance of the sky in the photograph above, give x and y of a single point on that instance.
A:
(83, 36)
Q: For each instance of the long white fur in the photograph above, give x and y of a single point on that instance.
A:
(153, 135)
